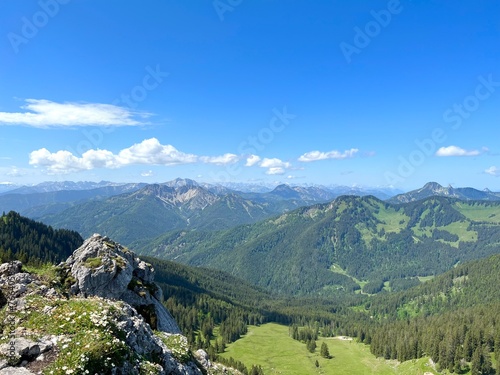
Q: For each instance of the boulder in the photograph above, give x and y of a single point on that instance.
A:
(104, 268)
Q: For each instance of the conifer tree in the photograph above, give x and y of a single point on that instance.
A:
(481, 362)
(311, 346)
(325, 353)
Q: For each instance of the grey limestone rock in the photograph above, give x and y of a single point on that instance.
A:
(15, 371)
(104, 268)
(11, 268)
(24, 349)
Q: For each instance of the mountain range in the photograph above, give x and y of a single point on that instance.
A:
(434, 189)
(51, 186)
(337, 245)
(36, 204)
(152, 210)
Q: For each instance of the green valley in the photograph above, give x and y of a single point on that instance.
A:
(271, 347)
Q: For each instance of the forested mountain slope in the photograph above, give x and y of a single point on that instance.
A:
(179, 204)
(321, 248)
(30, 241)
(452, 318)
(155, 209)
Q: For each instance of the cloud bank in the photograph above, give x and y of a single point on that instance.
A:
(148, 152)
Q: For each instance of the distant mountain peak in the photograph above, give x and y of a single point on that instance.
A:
(435, 189)
(286, 191)
(181, 182)
(283, 187)
(432, 186)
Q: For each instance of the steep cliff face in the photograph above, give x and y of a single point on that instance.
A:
(99, 312)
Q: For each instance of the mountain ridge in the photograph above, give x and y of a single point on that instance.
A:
(435, 189)
(368, 238)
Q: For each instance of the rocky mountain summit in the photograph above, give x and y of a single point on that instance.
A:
(99, 312)
(432, 189)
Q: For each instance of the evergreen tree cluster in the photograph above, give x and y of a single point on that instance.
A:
(34, 243)
(452, 340)
(231, 362)
(453, 318)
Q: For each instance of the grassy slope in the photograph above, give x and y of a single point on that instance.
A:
(271, 347)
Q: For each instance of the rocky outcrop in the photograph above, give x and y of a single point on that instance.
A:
(104, 268)
(102, 308)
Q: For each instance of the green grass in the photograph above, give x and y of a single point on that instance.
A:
(89, 338)
(88, 329)
(93, 262)
(421, 232)
(392, 221)
(389, 220)
(479, 211)
(337, 269)
(46, 272)
(271, 347)
(387, 286)
(460, 229)
(424, 279)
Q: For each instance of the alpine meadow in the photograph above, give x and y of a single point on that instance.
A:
(232, 187)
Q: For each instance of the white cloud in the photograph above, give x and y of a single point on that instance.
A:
(147, 173)
(456, 151)
(494, 171)
(220, 160)
(58, 162)
(274, 166)
(252, 160)
(148, 152)
(275, 171)
(334, 154)
(41, 113)
(274, 163)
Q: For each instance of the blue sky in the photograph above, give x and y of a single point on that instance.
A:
(372, 93)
